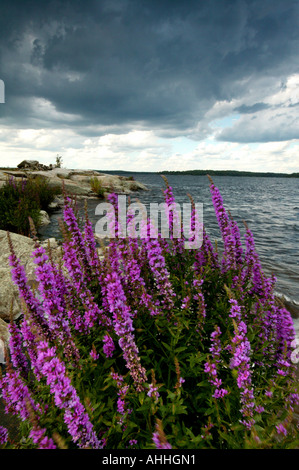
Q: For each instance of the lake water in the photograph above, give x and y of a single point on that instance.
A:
(270, 207)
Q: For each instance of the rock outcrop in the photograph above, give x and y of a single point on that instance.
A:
(75, 182)
(23, 246)
(10, 304)
(34, 165)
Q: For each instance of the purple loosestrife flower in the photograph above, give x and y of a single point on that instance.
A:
(212, 370)
(121, 406)
(133, 442)
(186, 303)
(16, 395)
(250, 257)
(199, 297)
(3, 435)
(158, 443)
(29, 334)
(285, 333)
(159, 438)
(93, 313)
(232, 256)
(253, 270)
(122, 392)
(66, 398)
(221, 215)
(196, 227)
(77, 260)
(18, 358)
(215, 348)
(281, 430)
(38, 436)
(108, 347)
(12, 182)
(174, 222)
(123, 326)
(153, 391)
(240, 361)
(130, 273)
(32, 304)
(91, 247)
(238, 244)
(211, 366)
(53, 304)
(159, 270)
(93, 353)
(205, 254)
(76, 236)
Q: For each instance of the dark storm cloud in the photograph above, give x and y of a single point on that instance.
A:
(161, 64)
(244, 109)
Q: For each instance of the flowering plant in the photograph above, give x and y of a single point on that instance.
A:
(150, 345)
(21, 199)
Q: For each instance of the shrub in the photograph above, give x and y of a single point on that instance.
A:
(153, 346)
(20, 200)
(58, 161)
(96, 186)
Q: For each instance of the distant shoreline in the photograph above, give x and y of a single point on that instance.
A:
(268, 174)
(210, 172)
(230, 173)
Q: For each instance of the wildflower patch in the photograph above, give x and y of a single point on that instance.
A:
(152, 345)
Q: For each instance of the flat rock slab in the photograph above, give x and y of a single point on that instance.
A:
(77, 182)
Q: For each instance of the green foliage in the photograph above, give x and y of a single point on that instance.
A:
(174, 346)
(97, 187)
(58, 161)
(20, 199)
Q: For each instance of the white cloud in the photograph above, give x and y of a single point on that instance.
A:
(144, 151)
(276, 119)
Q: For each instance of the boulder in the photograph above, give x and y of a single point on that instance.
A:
(33, 165)
(10, 304)
(44, 218)
(4, 339)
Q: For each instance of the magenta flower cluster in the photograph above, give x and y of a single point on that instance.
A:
(92, 324)
(211, 366)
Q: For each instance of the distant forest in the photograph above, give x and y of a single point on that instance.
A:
(230, 173)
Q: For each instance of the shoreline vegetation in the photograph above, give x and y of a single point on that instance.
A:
(211, 173)
(230, 173)
(262, 174)
(150, 346)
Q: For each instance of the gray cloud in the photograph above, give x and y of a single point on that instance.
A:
(161, 65)
(263, 127)
(244, 109)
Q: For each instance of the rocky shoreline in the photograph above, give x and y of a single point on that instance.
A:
(75, 183)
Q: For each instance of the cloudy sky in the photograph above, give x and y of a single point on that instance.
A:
(150, 85)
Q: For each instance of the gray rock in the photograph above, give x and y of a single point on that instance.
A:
(10, 305)
(9, 296)
(44, 218)
(74, 182)
(50, 241)
(55, 205)
(33, 165)
(4, 339)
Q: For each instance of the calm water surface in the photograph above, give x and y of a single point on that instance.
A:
(270, 207)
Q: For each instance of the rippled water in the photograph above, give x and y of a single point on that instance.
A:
(270, 206)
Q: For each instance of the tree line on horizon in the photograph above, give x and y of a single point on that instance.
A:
(228, 173)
